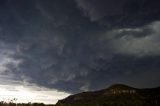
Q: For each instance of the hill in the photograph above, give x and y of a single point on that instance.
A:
(115, 95)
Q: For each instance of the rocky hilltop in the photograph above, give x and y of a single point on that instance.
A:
(115, 95)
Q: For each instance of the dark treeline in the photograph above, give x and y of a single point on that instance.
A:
(154, 102)
(2, 103)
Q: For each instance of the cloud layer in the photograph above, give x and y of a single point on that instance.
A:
(80, 45)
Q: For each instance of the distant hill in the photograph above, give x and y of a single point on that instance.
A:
(115, 95)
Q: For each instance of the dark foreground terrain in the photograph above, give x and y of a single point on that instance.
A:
(2, 103)
(116, 95)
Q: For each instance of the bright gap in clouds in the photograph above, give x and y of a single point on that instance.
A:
(23, 91)
(25, 94)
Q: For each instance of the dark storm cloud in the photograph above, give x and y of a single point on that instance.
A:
(123, 68)
(96, 10)
(67, 45)
(117, 13)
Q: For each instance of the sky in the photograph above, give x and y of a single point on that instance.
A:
(50, 49)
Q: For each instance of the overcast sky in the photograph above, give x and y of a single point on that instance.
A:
(50, 49)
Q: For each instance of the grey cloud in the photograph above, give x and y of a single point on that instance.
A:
(115, 13)
(137, 41)
(60, 48)
(96, 10)
(142, 79)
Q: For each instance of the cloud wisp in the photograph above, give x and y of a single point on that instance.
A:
(78, 45)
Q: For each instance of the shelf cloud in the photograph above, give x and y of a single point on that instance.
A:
(79, 45)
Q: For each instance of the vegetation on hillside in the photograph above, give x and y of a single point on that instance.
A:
(12, 103)
(116, 95)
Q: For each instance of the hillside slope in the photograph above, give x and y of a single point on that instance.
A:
(115, 95)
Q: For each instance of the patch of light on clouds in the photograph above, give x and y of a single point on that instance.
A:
(22, 90)
(31, 93)
(129, 43)
(5, 58)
